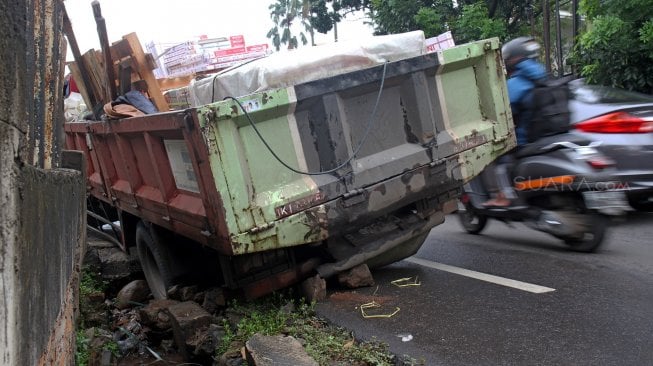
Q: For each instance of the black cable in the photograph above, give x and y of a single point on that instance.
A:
(360, 144)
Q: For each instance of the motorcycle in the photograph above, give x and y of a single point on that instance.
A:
(562, 187)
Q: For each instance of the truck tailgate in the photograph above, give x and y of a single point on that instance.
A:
(336, 157)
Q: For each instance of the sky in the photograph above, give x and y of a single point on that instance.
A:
(168, 22)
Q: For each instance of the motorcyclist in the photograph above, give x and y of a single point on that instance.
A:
(524, 71)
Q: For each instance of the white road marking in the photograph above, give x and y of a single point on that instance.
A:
(536, 289)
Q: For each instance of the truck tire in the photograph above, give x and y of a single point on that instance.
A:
(155, 261)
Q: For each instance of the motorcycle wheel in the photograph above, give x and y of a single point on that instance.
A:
(471, 221)
(592, 238)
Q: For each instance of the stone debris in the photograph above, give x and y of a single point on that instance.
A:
(189, 325)
(115, 263)
(214, 299)
(188, 319)
(134, 293)
(155, 314)
(314, 288)
(277, 350)
(359, 276)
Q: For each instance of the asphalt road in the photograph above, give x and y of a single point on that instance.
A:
(546, 305)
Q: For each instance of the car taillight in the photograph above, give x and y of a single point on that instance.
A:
(618, 122)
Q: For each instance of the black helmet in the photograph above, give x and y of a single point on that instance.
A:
(520, 48)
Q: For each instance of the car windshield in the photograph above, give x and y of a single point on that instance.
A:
(604, 94)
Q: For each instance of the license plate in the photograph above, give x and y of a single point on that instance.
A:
(598, 200)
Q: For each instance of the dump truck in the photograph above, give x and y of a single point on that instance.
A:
(311, 176)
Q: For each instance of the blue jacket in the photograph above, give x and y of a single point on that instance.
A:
(520, 84)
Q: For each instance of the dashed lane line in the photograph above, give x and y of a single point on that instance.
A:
(524, 286)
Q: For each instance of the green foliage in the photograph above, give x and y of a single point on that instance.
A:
(470, 20)
(91, 286)
(112, 347)
(325, 343)
(646, 34)
(475, 23)
(397, 16)
(90, 283)
(83, 349)
(617, 48)
(284, 14)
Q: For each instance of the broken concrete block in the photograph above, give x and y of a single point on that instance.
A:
(314, 289)
(359, 276)
(276, 350)
(205, 341)
(187, 318)
(188, 293)
(214, 299)
(117, 264)
(133, 293)
(155, 314)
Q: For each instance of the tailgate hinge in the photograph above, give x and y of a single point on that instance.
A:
(354, 197)
(258, 229)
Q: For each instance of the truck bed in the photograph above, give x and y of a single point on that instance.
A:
(310, 162)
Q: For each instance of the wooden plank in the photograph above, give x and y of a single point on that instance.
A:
(125, 75)
(151, 63)
(80, 75)
(97, 76)
(146, 74)
(74, 70)
(174, 83)
(106, 52)
(120, 49)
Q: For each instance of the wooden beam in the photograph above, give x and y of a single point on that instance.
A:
(104, 43)
(87, 94)
(97, 76)
(80, 74)
(146, 73)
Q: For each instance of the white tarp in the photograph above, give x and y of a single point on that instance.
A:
(306, 64)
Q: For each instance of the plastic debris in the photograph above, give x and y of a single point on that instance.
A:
(405, 337)
(406, 282)
(374, 304)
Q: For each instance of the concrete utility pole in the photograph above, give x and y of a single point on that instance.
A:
(42, 220)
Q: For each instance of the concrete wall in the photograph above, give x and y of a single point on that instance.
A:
(42, 220)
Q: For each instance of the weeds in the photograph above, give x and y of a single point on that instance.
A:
(325, 343)
(91, 284)
(83, 349)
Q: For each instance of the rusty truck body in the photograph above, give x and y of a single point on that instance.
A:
(262, 190)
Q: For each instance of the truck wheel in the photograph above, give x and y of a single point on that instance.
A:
(471, 221)
(590, 240)
(155, 261)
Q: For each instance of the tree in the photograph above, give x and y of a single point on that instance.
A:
(284, 13)
(617, 47)
(325, 18)
(468, 20)
(475, 23)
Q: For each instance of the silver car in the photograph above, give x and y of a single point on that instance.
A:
(623, 122)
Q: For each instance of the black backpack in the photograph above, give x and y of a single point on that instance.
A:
(550, 113)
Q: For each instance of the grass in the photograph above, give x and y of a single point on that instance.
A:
(279, 313)
(91, 283)
(325, 343)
